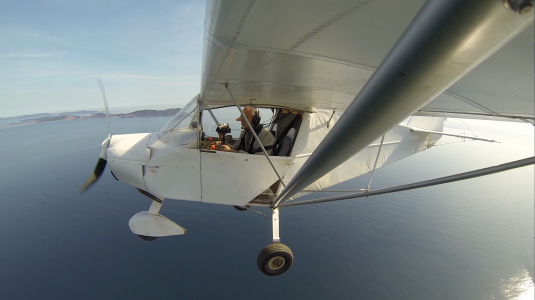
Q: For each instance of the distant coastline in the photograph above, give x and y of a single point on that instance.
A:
(39, 118)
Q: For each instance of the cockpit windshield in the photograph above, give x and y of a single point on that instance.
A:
(182, 129)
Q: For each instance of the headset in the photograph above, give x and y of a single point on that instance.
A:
(256, 117)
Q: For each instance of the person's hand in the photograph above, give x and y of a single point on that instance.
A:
(220, 134)
(225, 148)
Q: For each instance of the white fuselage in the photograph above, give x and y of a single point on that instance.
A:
(173, 167)
(169, 171)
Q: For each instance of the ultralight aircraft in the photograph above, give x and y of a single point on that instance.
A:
(340, 77)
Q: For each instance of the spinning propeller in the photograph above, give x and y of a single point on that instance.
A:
(101, 164)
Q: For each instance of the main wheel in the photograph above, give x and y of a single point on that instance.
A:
(147, 238)
(275, 259)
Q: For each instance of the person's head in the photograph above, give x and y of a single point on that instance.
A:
(249, 112)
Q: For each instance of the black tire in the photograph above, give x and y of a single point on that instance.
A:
(240, 208)
(275, 259)
(147, 238)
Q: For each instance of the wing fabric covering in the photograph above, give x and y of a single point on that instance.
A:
(501, 88)
(400, 142)
(433, 124)
(313, 55)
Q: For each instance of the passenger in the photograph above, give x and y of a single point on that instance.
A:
(246, 143)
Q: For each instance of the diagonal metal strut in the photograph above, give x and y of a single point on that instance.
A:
(254, 134)
(445, 41)
(457, 177)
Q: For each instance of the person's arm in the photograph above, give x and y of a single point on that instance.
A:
(268, 140)
(236, 144)
(234, 148)
(226, 148)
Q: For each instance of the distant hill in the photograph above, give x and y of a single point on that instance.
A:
(145, 113)
(80, 115)
(34, 116)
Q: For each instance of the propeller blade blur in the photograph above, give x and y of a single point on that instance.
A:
(101, 163)
(99, 168)
(99, 81)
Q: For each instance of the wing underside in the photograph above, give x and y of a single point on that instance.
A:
(313, 55)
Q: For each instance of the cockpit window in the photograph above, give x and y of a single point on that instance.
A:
(182, 129)
(186, 118)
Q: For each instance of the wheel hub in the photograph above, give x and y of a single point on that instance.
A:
(276, 262)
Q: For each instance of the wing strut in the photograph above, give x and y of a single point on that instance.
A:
(457, 177)
(213, 117)
(455, 135)
(446, 40)
(375, 164)
(254, 134)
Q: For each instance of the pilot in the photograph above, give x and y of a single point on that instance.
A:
(246, 143)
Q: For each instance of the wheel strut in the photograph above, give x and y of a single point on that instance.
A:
(275, 224)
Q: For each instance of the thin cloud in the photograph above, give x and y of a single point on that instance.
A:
(17, 35)
(34, 55)
(177, 79)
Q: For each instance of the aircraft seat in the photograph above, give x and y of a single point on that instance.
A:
(286, 143)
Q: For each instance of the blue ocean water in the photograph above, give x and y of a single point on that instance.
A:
(466, 240)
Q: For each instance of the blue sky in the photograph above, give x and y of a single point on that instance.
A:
(148, 53)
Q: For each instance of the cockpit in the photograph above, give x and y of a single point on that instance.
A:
(197, 126)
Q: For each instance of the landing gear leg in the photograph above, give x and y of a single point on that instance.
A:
(276, 258)
(275, 225)
(155, 206)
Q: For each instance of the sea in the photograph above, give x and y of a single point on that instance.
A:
(466, 240)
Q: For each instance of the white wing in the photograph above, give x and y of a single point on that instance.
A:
(318, 55)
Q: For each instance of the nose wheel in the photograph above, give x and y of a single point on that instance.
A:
(147, 238)
(275, 259)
